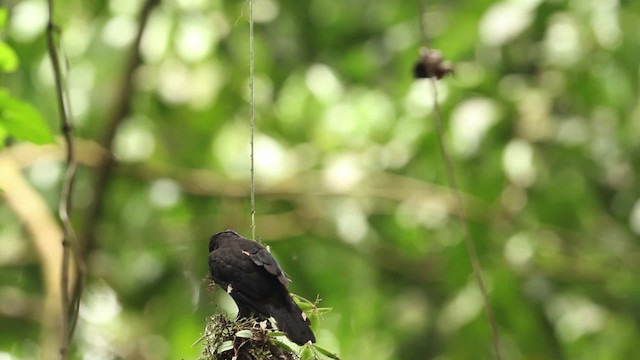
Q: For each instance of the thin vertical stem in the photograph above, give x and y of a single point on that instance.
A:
(471, 248)
(252, 116)
(65, 204)
(421, 23)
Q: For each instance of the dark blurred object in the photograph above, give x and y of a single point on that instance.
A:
(255, 281)
(431, 64)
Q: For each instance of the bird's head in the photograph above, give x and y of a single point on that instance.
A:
(216, 239)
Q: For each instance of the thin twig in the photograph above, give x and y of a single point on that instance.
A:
(252, 116)
(471, 248)
(122, 107)
(434, 74)
(421, 23)
(65, 204)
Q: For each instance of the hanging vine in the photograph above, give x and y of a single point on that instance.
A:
(69, 248)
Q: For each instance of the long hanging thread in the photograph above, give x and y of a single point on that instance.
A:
(252, 120)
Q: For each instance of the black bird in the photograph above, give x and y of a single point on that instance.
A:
(255, 281)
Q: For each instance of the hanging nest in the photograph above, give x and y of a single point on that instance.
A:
(257, 339)
(243, 339)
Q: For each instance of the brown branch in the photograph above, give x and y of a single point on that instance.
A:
(86, 152)
(38, 220)
(205, 182)
(65, 204)
(122, 108)
(387, 186)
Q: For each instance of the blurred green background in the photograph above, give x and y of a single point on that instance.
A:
(542, 117)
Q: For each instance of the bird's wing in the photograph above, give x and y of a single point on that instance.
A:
(235, 270)
(261, 257)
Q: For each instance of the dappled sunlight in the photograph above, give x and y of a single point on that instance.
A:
(343, 173)
(155, 41)
(351, 221)
(505, 20)
(273, 162)
(45, 173)
(323, 83)
(100, 305)
(430, 212)
(134, 142)
(470, 122)
(194, 39)
(519, 249)
(164, 193)
(266, 11)
(562, 45)
(460, 310)
(29, 20)
(518, 163)
(575, 317)
(119, 31)
(634, 218)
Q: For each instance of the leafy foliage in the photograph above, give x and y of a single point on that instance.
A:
(18, 118)
(22, 121)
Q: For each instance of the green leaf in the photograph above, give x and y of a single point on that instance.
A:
(225, 346)
(3, 136)
(305, 306)
(8, 58)
(4, 15)
(248, 334)
(23, 121)
(307, 353)
(315, 321)
(299, 299)
(283, 345)
(323, 310)
(326, 352)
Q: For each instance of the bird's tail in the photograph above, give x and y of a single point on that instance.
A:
(292, 321)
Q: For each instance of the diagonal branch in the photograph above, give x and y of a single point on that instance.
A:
(122, 108)
(33, 212)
